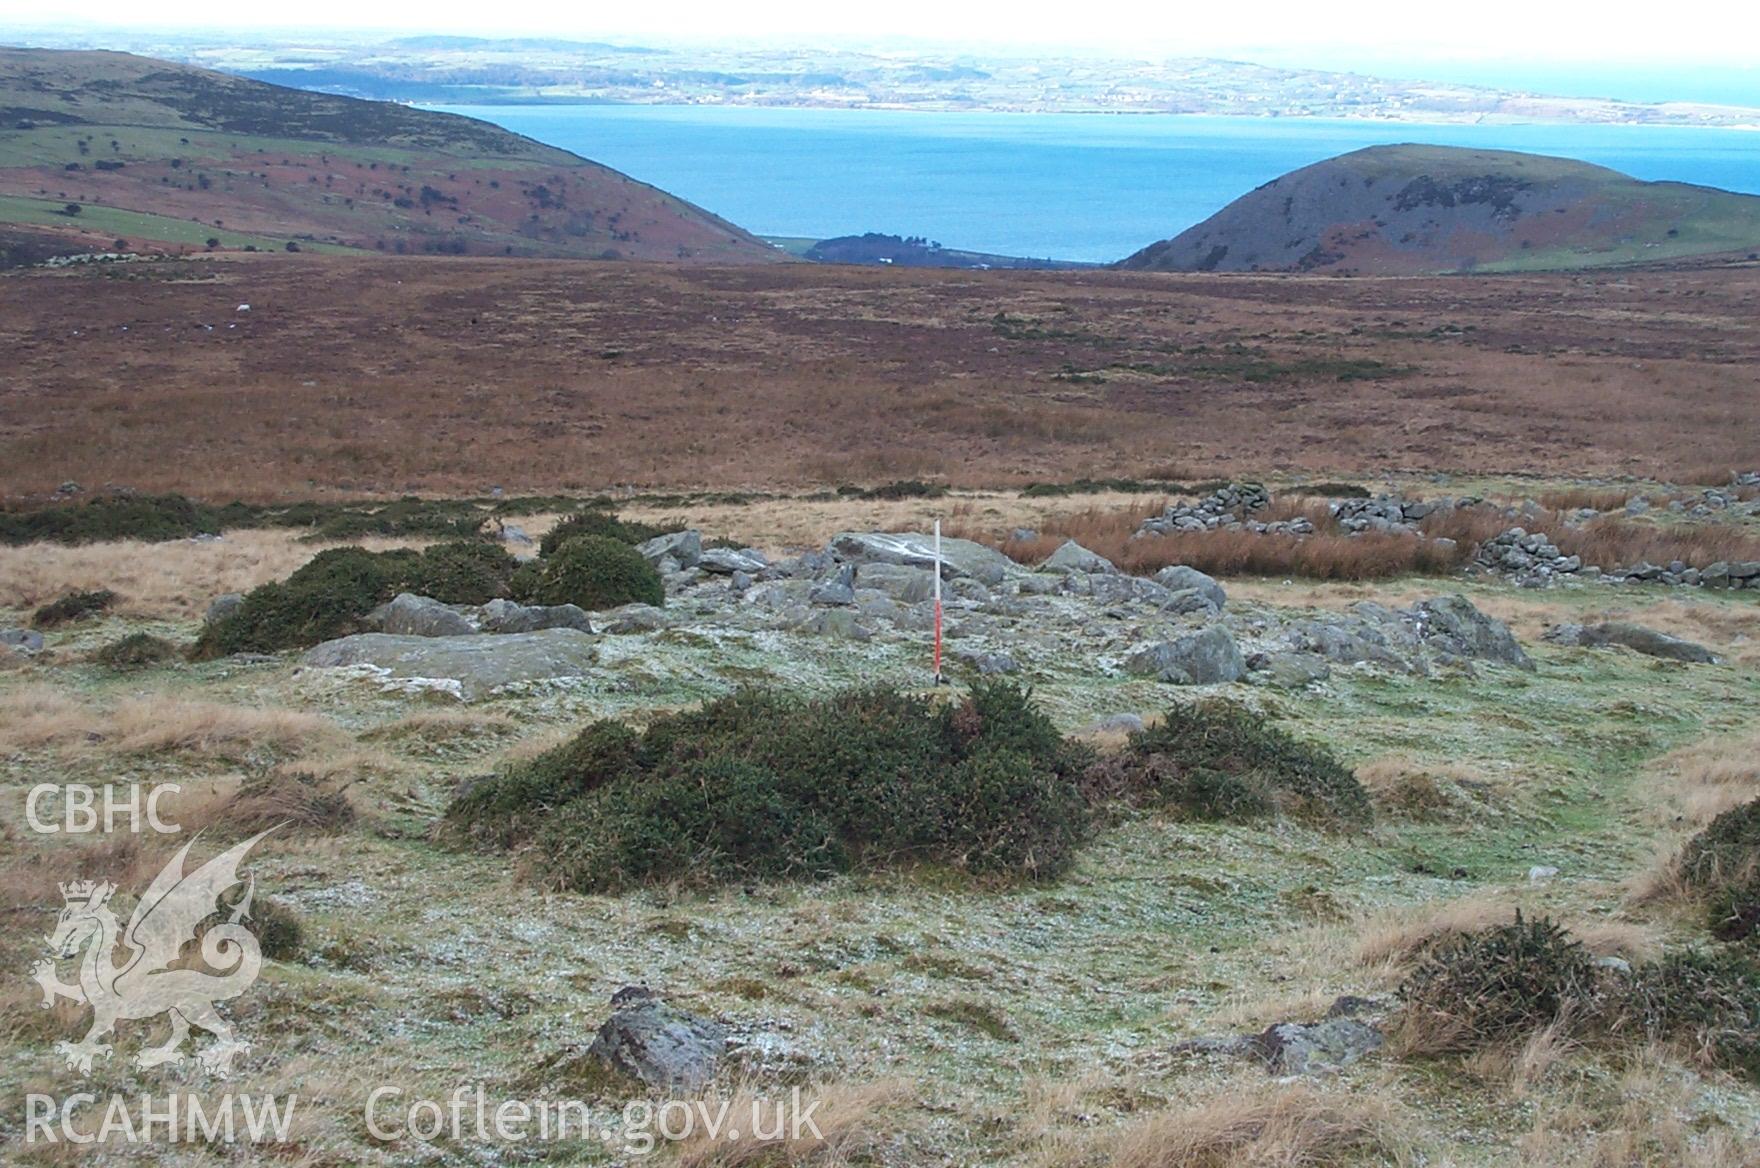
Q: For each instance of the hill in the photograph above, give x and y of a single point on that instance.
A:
(1429, 209)
(875, 248)
(97, 147)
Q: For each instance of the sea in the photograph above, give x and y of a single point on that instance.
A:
(1090, 187)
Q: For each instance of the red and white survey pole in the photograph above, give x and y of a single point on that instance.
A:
(938, 602)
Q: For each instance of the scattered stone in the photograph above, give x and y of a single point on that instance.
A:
(1207, 658)
(727, 561)
(837, 591)
(471, 666)
(684, 548)
(504, 616)
(636, 618)
(1540, 873)
(1178, 577)
(24, 640)
(515, 535)
(987, 664)
(1292, 670)
(419, 616)
(1635, 637)
(959, 557)
(1073, 557)
(1452, 624)
(835, 622)
(1307, 1048)
(658, 1044)
(907, 585)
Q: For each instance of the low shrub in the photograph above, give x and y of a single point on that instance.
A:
(1333, 490)
(1498, 984)
(1708, 1003)
(1722, 865)
(149, 518)
(1215, 760)
(136, 651)
(408, 516)
(593, 571)
(604, 524)
(1098, 487)
(324, 598)
(280, 932)
(507, 809)
(75, 606)
(466, 571)
(903, 489)
(761, 785)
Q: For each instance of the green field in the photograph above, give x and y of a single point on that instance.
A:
(134, 225)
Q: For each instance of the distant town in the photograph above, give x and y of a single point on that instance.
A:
(461, 69)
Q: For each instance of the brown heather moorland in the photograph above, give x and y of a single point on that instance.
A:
(367, 376)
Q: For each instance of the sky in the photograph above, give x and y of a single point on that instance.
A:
(1371, 34)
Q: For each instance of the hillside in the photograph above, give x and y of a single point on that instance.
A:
(1429, 209)
(97, 147)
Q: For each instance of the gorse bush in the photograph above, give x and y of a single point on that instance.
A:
(136, 651)
(604, 524)
(465, 571)
(1722, 864)
(328, 595)
(1498, 986)
(1214, 760)
(151, 518)
(593, 571)
(1708, 1003)
(1499, 983)
(75, 606)
(761, 785)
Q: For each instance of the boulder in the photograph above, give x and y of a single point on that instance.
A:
(959, 557)
(1453, 625)
(839, 590)
(1293, 670)
(24, 640)
(1206, 658)
(1178, 577)
(907, 585)
(222, 606)
(1073, 557)
(504, 616)
(658, 1044)
(469, 666)
(636, 618)
(835, 622)
(409, 615)
(684, 548)
(987, 664)
(1305, 1048)
(1634, 637)
(727, 561)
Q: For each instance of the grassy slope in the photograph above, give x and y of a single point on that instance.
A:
(262, 160)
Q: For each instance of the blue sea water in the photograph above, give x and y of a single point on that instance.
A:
(1066, 186)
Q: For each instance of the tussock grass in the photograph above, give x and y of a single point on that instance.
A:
(39, 716)
(1292, 1127)
(174, 580)
(854, 1120)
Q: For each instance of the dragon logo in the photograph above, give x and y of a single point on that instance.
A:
(153, 978)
